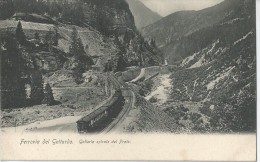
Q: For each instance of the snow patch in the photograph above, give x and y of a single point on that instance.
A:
(207, 98)
(212, 107)
(194, 86)
(244, 37)
(213, 46)
(211, 85)
(198, 63)
(232, 21)
(202, 60)
(208, 68)
(160, 92)
(236, 80)
(186, 89)
(188, 59)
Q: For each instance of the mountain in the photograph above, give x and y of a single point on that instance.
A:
(106, 28)
(170, 29)
(217, 68)
(65, 39)
(143, 16)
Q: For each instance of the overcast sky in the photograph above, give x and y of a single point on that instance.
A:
(166, 7)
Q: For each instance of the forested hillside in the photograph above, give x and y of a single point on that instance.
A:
(143, 16)
(170, 32)
(77, 36)
(219, 71)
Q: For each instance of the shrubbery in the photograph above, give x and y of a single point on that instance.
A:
(146, 87)
(153, 99)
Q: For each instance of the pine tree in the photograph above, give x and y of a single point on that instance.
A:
(76, 47)
(12, 85)
(55, 37)
(127, 38)
(48, 95)
(37, 37)
(121, 63)
(153, 44)
(37, 94)
(78, 71)
(54, 9)
(103, 23)
(48, 38)
(51, 38)
(81, 59)
(20, 36)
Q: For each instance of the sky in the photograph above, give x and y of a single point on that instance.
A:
(166, 7)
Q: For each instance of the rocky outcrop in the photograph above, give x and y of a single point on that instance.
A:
(106, 29)
(143, 16)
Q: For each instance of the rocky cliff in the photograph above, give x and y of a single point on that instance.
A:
(143, 16)
(106, 28)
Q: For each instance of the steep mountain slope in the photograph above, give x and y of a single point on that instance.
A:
(106, 28)
(95, 44)
(219, 71)
(237, 23)
(99, 14)
(170, 29)
(6, 9)
(143, 16)
(65, 40)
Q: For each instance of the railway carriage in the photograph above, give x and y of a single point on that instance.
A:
(103, 116)
(99, 118)
(88, 122)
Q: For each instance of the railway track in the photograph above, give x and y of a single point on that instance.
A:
(110, 114)
(129, 103)
(121, 116)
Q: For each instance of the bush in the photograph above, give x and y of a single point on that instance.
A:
(178, 112)
(146, 87)
(48, 95)
(194, 117)
(153, 99)
(205, 109)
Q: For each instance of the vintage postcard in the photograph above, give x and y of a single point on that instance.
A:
(128, 80)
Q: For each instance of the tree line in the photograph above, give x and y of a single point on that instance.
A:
(15, 73)
(68, 11)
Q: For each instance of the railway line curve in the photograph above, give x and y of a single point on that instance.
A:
(108, 115)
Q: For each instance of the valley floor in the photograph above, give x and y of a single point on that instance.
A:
(75, 103)
(158, 113)
(62, 124)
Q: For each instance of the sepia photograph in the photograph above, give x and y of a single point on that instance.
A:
(149, 68)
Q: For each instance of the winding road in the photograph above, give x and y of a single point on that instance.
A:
(140, 76)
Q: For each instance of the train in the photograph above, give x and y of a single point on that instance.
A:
(100, 118)
(104, 115)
